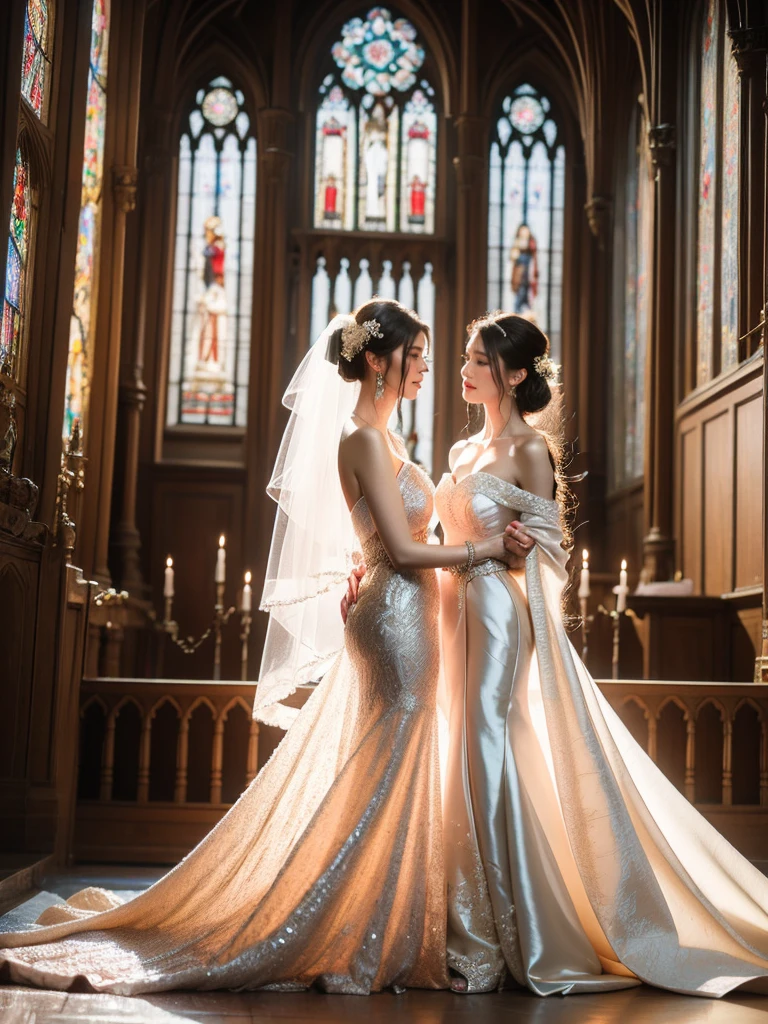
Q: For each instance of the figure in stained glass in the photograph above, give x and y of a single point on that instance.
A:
(213, 302)
(525, 276)
(376, 160)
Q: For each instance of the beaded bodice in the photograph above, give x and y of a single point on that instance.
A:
(418, 498)
(482, 504)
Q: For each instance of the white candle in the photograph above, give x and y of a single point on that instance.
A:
(168, 581)
(245, 604)
(584, 578)
(221, 561)
(623, 589)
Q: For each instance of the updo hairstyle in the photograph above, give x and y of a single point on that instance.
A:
(399, 327)
(512, 342)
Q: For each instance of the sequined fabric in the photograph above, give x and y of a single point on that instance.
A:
(329, 868)
(573, 864)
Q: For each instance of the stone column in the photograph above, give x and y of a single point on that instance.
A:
(658, 542)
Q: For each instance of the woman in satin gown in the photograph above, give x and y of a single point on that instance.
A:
(329, 868)
(573, 864)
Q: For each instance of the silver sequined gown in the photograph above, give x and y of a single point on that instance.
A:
(329, 868)
(573, 864)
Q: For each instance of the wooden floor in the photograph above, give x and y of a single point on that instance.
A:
(642, 1005)
(635, 1006)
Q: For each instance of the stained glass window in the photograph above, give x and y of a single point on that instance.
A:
(729, 274)
(525, 211)
(717, 294)
(707, 192)
(89, 228)
(357, 283)
(376, 131)
(213, 264)
(15, 269)
(631, 312)
(35, 61)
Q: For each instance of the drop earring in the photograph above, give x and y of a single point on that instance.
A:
(512, 391)
(379, 386)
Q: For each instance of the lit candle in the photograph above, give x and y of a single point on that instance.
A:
(221, 561)
(245, 604)
(168, 582)
(584, 578)
(623, 589)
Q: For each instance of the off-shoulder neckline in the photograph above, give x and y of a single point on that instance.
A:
(499, 480)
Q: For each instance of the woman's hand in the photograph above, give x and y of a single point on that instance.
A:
(517, 540)
(353, 586)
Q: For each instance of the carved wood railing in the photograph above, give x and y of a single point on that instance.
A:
(162, 760)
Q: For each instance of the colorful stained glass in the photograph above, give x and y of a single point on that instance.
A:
(418, 157)
(525, 211)
(526, 114)
(630, 324)
(219, 107)
(35, 61)
(335, 160)
(376, 131)
(706, 258)
(15, 267)
(213, 264)
(729, 272)
(378, 54)
(89, 228)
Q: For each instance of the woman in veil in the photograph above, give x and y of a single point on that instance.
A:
(329, 868)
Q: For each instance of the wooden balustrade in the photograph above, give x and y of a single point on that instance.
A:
(214, 760)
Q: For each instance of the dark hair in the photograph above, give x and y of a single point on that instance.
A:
(399, 326)
(512, 342)
(515, 341)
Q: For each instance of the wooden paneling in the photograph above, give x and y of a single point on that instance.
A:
(719, 484)
(690, 532)
(718, 504)
(748, 532)
(192, 507)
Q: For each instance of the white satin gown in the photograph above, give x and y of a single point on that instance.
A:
(573, 864)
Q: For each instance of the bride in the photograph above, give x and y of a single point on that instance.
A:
(329, 868)
(573, 864)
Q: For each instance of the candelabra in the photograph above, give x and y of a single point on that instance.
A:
(221, 615)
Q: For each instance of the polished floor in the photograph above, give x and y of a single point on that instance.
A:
(636, 1006)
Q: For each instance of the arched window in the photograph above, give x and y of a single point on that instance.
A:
(717, 296)
(36, 59)
(80, 356)
(526, 199)
(376, 131)
(213, 264)
(630, 316)
(15, 269)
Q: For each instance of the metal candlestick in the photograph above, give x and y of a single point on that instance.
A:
(586, 625)
(221, 618)
(245, 630)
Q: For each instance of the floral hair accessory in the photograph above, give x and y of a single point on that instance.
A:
(545, 367)
(355, 336)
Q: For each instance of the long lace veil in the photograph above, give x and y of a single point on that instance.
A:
(313, 542)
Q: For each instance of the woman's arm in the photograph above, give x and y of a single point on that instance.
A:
(366, 454)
